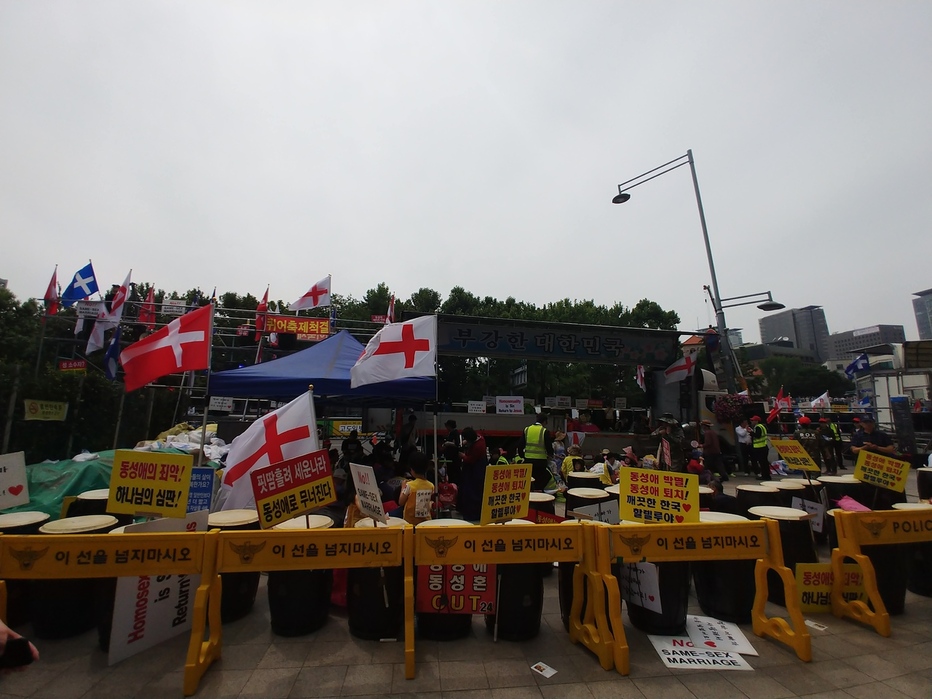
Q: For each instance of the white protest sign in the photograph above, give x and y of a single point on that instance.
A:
(509, 405)
(368, 493)
(150, 609)
(679, 653)
(475, 406)
(708, 632)
(814, 508)
(600, 512)
(14, 490)
(641, 586)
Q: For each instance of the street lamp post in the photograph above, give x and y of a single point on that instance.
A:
(624, 196)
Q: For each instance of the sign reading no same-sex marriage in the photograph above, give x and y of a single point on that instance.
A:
(658, 496)
(506, 493)
(795, 455)
(367, 492)
(293, 487)
(147, 483)
(882, 471)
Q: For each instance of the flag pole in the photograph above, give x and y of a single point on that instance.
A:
(436, 446)
(210, 348)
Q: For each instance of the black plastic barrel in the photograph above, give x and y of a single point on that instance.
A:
(19, 592)
(705, 497)
(584, 479)
(725, 589)
(673, 581)
(443, 626)
(520, 600)
(583, 497)
(375, 596)
(299, 600)
(836, 487)
(63, 608)
(924, 482)
(238, 589)
(751, 495)
(94, 502)
(797, 542)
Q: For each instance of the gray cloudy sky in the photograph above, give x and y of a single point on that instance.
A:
(479, 144)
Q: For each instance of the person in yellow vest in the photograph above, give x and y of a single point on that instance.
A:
(760, 449)
(417, 495)
(537, 448)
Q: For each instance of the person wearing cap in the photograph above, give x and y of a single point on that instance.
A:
(712, 451)
(536, 447)
(573, 461)
(871, 439)
(607, 469)
(808, 437)
(760, 451)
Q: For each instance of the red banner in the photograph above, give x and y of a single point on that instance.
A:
(459, 589)
(72, 365)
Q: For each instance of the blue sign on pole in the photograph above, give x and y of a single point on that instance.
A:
(202, 489)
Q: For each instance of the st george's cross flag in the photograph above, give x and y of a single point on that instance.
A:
(262, 310)
(286, 433)
(640, 377)
(182, 345)
(108, 319)
(390, 315)
(317, 295)
(147, 311)
(823, 401)
(83, 285)
(398, 351)
(51, 295)
(681, 369)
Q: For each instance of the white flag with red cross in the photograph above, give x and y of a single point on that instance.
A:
(286, 433)
(398, 351)
(680, 369)
(317, 295)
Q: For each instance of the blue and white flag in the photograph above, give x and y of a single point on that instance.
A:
(83, 285)
(112, 357)
(859, 364)
(865, 402)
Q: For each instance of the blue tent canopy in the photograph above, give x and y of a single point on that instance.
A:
(326, 366)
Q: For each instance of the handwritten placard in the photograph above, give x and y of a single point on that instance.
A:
(368, 493)
(658, 496)
(14, 490)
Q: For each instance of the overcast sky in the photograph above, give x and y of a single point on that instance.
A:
(474, 144)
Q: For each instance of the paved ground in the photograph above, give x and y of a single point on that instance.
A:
(848, 661)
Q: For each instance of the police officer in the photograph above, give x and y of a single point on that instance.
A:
(537, 447)
(809, 438)
(759, 449)
(838, 446)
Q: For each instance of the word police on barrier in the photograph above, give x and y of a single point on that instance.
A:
(652, 496)
(505, 493)
(882, 471)
(293, 487)
(531, 543)
(795, 455)
(147, 483)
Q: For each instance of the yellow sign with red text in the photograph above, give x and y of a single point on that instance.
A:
(658, 496)
(882, 471)
(795, 455)
(147, 483)
(506, 493)
(814, 583)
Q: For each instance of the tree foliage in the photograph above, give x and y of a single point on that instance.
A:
(800, 379)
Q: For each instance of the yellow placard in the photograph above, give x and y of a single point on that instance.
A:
(51, 410)
(101, 555)
(661, 497)
(309, 549)
(721, 541)
(288, 504)
(882, 471)
(814, 583)
(795, 455)
(512, 543)
(506, 493)
(149, 483)
(885, 526)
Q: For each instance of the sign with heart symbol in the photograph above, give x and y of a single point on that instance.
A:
(708, 632)
(658, 497)
(14, 490)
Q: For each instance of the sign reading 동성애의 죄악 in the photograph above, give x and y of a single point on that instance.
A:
(506, 493)
(658, 496)
(149, 483)
(882, 471)
(292, 487)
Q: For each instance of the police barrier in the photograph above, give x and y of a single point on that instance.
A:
(101, 556)
(857, 529)
(720, 541)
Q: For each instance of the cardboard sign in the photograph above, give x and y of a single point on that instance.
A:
(708, 632)
(658, 496)
(640, 586)
(150, 483)
(476, 407)
(814, 583)
(201, 494)
(679, 653)
(368, 493)
(509, 405)
(293, 487)
(816, 509)
(220, 404)
(48, 410)
(881, 470)
(148, 610)
(14, 490)
(456, 589)
(506, 492)
(600, 512)
(795, 455)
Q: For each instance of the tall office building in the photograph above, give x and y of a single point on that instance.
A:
(805, 328)
(845, 343)
(922, 307)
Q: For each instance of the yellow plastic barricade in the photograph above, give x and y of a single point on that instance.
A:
(104, 556)
(466, 545)
(721, 541)
(310, 549)
(855, 529)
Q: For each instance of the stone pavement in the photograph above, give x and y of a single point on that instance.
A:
(849, 660)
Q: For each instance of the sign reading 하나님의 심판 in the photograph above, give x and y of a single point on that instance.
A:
(292, 487)
(148, 483)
